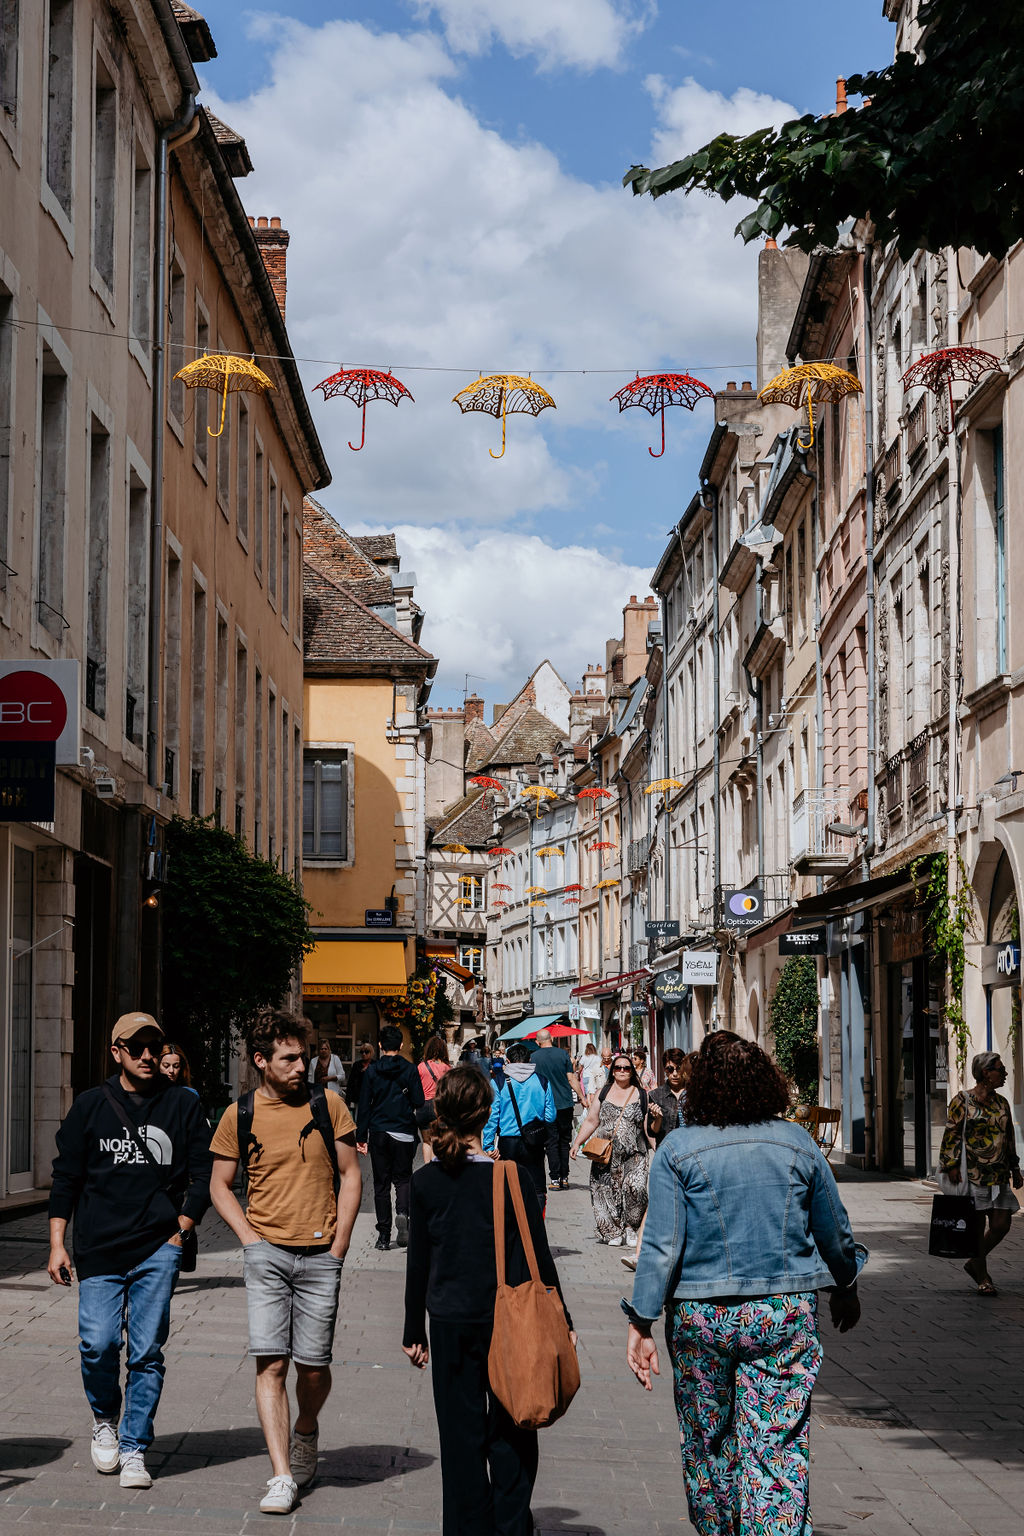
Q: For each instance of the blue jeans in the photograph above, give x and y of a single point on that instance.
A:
(137, 1304)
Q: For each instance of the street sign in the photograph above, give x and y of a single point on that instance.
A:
(699, 967)
(378, 917)
(742, 909)
(27, 781)
(662, 928)
(1000, 964)
(638, 1009)
(39, 702)
(804, 941)
(669, 986)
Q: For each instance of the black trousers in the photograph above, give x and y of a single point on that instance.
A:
(513, 1150)
(391, 1162)
(488, 1464)
(559, 1142)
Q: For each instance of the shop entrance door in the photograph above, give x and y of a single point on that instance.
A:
(918, 1065)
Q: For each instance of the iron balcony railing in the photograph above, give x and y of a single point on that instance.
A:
(638, 854)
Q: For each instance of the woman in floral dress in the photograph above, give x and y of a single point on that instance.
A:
(618, 1190)
(745, 1224)
(991, 1156)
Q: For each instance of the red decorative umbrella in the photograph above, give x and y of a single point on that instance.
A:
(363, 385)
(485, 782)
(496, 885)
(573, 887)
(654, 391)
(499, 853)
(599, 847)
(558, 1032)
(937, 370)
(593, 794)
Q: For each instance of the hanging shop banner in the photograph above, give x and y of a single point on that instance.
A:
(742, 909)
(669, 986)
(804, 941)
(27, 781)
(662, 928)
(39, 703)
(699, 967)
(1000, 965)
(638, 1009)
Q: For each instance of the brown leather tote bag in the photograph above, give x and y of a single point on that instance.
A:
(532, 1365)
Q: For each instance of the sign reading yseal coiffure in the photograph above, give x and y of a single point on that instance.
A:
(699, 967)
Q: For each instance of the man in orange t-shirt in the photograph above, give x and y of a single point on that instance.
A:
(295, 1234)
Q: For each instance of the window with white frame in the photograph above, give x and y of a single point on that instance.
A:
(325, 803)
(471, 892)
(472, 957)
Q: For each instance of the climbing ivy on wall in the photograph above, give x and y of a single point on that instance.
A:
(793, 1021)
(949, 918)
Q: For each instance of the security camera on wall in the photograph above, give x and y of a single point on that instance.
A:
(106, 789)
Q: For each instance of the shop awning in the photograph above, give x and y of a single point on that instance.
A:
(531, 1026)
(610, 983)
(844, 900)
(444, 956)
(354, 968)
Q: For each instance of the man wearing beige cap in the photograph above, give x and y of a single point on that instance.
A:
(133, 1169)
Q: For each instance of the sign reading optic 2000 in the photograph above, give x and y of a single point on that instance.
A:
(39, 702)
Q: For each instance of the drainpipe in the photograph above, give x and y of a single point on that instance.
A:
(711, 495)
(819, 687)
(665, 741)
(174, 134)
(869, 560)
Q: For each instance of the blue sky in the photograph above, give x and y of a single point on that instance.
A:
(449, 172)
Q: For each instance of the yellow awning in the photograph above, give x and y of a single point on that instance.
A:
(354, 969)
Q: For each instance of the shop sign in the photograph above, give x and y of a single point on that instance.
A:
(39, 703)
(699, 967)
(804, 941)
(378, 917)
(669, 986)
(742, 909)
(638, 1009)
(1000, 965)
(351, 989)
(27, 781)
(662, 928)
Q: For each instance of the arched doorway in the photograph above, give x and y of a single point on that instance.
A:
(1001, 977)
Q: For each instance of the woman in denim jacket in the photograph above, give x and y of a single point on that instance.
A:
(744, 1225)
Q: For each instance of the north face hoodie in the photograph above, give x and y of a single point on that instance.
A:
(124, 1208)
(391, 1090)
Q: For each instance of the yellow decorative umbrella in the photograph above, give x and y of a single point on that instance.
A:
(660, 785)
(464, 901)
(539, 792)
(550, 853)
(497, 394)
(602, 885)
(810, 382)
(454, 848)
(532, 890)
(538, 903)
(226, 374)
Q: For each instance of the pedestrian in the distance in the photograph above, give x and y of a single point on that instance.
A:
(618, 1188)
(326, 1069)
(488, 1464)
(174, 1065)
(982, 1116)
(498, 1068)
(355, 1076)
(745, 1224)
(389, 1096)
(648, 1081)
(520, 1117)
(593, 1073)
(555, 1067)
(666, 1104)
(432, 1068)
(297, 1144)
(133, 1169)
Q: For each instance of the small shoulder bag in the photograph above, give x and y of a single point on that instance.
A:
(599, 1148)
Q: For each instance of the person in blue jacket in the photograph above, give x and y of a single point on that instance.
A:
(520, 1116)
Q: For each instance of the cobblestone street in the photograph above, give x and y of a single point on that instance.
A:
(919, 1419)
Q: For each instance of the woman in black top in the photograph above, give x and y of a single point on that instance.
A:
(488, 1464)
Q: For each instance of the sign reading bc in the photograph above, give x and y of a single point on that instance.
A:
(32, 707)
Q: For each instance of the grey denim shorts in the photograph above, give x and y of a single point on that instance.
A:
(293, 1302)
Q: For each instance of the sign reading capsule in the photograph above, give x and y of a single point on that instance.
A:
(669, 986)
(742, 909)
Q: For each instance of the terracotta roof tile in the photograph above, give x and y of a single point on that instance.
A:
(531, 735)
(378, 546)
(480, 743)
(343, 557)
(466, 821)
(338, 627)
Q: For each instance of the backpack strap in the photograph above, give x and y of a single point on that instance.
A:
(244, 1132)
(324, 1124)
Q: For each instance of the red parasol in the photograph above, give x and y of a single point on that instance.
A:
(572, 887)
(597, 847)
(362, 385)
(937, 370)
(657, 390)
(485, 782)
(558, 1032)
(593, 794)
(499, 852)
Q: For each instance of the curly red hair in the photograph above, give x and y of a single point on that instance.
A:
(734, 1082)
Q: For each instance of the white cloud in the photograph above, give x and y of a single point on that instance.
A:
(690, 116)
(583, 34)
(498, 603)
(421, 237)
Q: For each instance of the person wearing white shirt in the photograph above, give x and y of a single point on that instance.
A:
(326, 1069)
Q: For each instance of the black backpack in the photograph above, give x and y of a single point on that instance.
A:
(321, 1120)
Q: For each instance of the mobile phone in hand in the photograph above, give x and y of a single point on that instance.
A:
(65, 1275)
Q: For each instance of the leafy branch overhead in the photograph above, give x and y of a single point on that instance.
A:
(933, 156)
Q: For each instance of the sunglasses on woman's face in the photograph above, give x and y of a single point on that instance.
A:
(622, 1066)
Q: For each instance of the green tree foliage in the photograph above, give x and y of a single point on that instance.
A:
(235, 931)
(793, 1020)
(933, 157)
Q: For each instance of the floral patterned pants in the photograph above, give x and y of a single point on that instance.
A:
(743, 1380)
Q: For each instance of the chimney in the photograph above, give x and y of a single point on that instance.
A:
(273, 243)
(474, 708)
(840, 96)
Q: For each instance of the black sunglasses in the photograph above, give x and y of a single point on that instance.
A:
(622, 1066)
(136, 1050)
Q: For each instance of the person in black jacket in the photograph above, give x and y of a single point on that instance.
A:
(389, 1095)
(133, 1169)
(488, 1464)
(665, 1105)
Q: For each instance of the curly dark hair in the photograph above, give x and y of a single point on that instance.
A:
(734, 1082)
(270, 1029)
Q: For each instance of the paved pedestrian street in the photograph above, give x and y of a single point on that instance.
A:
(919, 1419)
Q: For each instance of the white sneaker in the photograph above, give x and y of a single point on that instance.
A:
(302, 1453)
(630, 1238)
(615, 1242)
(133, 1470)
(280, 1496)
(105, 1454)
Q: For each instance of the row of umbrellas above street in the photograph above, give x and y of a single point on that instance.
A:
(503, 394)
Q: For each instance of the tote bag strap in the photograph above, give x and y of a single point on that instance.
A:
(963, 1143)
(503, 1170)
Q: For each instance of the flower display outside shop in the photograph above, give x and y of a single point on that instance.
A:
(424, 1009)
